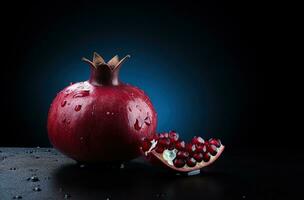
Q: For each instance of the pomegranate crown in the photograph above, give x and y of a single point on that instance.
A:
(103, 73)
(113, 64)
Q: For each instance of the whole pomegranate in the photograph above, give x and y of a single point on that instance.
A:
(102, 119)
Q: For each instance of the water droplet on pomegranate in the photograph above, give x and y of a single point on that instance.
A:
(138, 107)
(108, 113)
(112, 113)
(77, 108)
(82, 93)
(130, 109)
(148, 121)
(71, 83)
(63, 103)
(137, 126)
(64, 120)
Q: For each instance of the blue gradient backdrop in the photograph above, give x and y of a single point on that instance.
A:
(199, 76)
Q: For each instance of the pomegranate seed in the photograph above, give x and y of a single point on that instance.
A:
(198, 140)
(145, 145)
(215, 142)
(182, 154)
(198, 157)
(173, 136)
(206, 157)
(212, 150)
(161, 135)
(191, 162)
(190, 148)
(164, 142)
(166, 135)
(180, 145)
(201, 148)
(179, 163)
(159, 149)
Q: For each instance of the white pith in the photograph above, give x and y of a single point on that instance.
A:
(169, 155)
(153, 145)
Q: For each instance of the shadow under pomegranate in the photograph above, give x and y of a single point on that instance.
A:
(136, 180)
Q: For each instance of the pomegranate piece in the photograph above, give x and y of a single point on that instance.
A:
(101, 119)
(179, 156)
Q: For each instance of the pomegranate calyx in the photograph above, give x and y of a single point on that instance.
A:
(98, 61)
(103, 73)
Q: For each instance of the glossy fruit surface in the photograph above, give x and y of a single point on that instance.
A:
(102, 119)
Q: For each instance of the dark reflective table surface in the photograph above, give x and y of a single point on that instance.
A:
(43, 173)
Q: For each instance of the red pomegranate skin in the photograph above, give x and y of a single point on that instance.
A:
(102, 119)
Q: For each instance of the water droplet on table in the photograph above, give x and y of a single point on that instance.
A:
(33, 179)
(37, 189)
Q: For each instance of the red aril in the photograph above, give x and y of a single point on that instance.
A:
(102, 119)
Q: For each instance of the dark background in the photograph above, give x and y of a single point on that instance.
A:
(208, 67)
